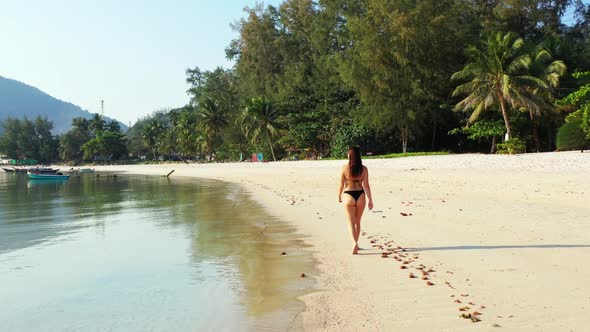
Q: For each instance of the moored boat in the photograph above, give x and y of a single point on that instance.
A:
(8, 169)
(43, 170)
(82, 170)
(33, 176)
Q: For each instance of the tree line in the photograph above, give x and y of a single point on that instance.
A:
(312, 77)
(88, 140)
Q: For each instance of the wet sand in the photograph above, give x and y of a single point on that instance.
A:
(504, 238)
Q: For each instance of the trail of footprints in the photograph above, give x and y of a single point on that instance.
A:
(408, 261)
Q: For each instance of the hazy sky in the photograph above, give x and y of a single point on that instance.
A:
(131, 53)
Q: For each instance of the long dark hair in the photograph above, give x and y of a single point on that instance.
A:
(355, 164)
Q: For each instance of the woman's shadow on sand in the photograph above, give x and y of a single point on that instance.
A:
(529, 246)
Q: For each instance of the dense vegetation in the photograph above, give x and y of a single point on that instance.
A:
(29, 139)
(312, 77)
(90, 140)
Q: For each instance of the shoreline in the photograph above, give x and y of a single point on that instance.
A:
(503, 230)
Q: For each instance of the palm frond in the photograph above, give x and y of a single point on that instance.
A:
(530, 81)
(520, 63)
(557, 67)
(476, 113)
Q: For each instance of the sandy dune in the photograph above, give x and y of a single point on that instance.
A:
(508, 234)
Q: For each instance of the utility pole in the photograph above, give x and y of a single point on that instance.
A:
(102, 107)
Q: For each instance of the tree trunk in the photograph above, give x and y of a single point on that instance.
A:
(493, 149)
(404, 139)
(537, 137)
(505, 115)
(433, 132)
(272, 151)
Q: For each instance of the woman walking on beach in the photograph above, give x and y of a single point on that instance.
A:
(354, 183)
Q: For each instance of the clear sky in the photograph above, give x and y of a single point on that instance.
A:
(131, 53)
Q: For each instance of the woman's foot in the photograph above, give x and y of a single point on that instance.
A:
(355, 250)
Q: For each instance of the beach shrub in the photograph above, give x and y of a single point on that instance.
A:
(580, 99)
(482, 129)
(571, 136)
(512, 146)
(354, 134)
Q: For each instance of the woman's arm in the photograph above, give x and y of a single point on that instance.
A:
(341, 188)
(367, 188)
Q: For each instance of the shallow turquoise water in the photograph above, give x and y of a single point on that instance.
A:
(136, 253)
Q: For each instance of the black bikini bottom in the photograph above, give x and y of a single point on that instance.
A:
(355, 193)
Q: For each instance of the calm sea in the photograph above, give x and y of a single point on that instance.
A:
(138, 253)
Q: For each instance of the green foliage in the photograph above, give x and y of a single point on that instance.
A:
(407, 154)
(259, 122)
(230, 152)
(320, 64)
(257, 61)
(107, 145)
(9, 140)
(135, 141)
(351, 134)
(388, 60)
(481, 129)
(580, 99)
(94, 139)
(499, 75)
(212, 121)
(28, 139)
(514, 145)
(97, 124)
(153, 134)
(528, 18)
(307, 131)
(218, 86)
(571, 136)
(397, 155)
(184, 134)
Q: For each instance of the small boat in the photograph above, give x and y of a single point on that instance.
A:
(43, 170)
(20, 170)
(82, 170)
(8, 169)
(48, 176)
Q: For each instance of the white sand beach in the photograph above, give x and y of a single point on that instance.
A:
(506, 236)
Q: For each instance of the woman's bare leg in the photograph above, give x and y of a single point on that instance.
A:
(360, 208)
(350, 208)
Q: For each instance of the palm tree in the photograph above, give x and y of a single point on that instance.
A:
(259, 121)
(185, 123)
(97, 123)
(212, 121)
(81, 123)
(152, 133)
(497, 75)
(113, 126)
(544, 67)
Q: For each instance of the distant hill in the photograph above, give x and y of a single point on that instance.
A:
(18, 99)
